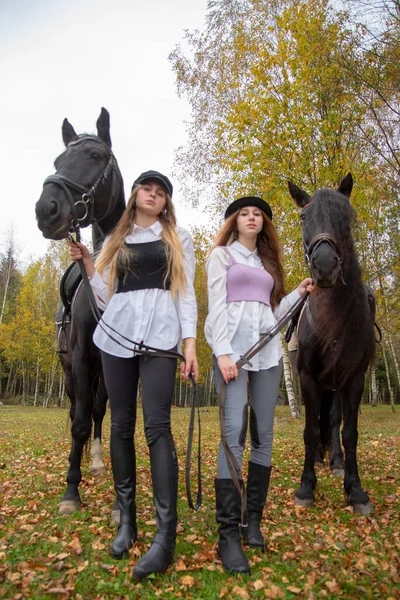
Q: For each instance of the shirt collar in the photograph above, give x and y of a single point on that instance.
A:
(243, 250)
(156, 228)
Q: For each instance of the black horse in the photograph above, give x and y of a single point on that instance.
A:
(336, 333)
(87, 189)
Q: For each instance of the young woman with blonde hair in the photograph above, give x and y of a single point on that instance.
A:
(246, 296)
(143, 281)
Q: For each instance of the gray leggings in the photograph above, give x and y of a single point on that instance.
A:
(264, 388)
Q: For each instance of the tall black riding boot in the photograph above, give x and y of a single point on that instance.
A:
(228, 514)
(164, 475)
(257, 490)
(124, 471)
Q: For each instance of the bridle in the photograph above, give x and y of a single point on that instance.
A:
(319, 239)
(87, 199)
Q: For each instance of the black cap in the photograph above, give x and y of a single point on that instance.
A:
(163, 179)
(249, 201)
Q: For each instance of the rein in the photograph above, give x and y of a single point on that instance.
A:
(233, 466)
(145, 350)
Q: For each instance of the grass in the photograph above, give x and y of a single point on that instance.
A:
(322, 552)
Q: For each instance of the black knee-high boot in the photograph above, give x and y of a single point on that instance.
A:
(164, 474)
(257, 490)
(228, 512)
(124, 471)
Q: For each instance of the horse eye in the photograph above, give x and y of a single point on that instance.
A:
(96, 155)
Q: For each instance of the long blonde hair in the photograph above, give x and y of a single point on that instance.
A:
(269, 251)
(115, 255)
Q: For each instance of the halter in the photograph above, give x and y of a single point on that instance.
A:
(88, 197)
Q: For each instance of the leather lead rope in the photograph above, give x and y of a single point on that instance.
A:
(233, 466)
(145, 350)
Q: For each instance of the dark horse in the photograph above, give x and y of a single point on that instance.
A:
(336, 332)
(87, 189)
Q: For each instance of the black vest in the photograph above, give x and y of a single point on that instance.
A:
(148, 264)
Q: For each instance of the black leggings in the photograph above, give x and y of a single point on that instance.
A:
(157, 376)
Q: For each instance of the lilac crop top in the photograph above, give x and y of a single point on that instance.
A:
(247, 283)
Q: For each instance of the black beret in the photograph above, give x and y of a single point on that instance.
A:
(249, 201)
(163, 179)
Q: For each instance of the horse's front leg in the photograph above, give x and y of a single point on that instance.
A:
(99, 410)
(351, 398)
(304, 496)
(80, 431)
(336, 454)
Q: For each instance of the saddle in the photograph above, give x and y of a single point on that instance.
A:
(68, 286)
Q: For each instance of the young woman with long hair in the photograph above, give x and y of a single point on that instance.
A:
(246, 296)
(143, 281)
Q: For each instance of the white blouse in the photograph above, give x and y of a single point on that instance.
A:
(150, 316)
(233, 327)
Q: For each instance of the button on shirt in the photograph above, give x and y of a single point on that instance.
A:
(233, 327)
(151, 315)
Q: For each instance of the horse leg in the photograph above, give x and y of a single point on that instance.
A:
(304, 496)
(80, 431)
(351, 398)
(99, 410)
(336, 455)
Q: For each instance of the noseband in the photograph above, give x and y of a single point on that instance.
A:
(316, 242)
(88, 197)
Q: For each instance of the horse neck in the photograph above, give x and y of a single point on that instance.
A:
(100, 229)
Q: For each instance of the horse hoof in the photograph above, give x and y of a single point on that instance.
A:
(67, 507)
(337, 471)
(363, 509)
(306, 502)
(98, 471)
(115, 517)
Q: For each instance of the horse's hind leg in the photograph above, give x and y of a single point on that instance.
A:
(336, 455)
(99, 410)
(351, 398)
(304, 496)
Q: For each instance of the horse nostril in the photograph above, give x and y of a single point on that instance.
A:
(53, 208)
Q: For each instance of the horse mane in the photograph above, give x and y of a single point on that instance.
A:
(344, 324)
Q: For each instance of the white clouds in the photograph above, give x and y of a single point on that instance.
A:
(68, 59)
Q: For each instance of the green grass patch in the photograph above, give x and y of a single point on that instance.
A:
(322, 552)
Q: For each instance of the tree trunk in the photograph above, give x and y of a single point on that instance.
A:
(391, 395)
(287, 372)
(7, 282)
(36, 382)
(374, 387)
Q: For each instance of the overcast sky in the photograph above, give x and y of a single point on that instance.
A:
(68, 58)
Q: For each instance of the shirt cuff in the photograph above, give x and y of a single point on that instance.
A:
(222, 348)
(188, 331)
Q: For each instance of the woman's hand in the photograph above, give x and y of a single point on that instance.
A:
(227, 367)
(306, 286)
(190, 365)
(79, 251)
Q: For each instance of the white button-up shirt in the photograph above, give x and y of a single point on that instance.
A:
(233, 327)
(149, 315)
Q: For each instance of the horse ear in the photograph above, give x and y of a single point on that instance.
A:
(299, 196)
(346, 185)
(103, 127)
(68, 132)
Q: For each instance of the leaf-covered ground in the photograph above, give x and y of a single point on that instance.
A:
(322, 552)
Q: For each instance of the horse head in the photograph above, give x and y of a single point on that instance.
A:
(87, 186)
(326, 223)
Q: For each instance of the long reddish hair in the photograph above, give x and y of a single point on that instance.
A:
(269, 251)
